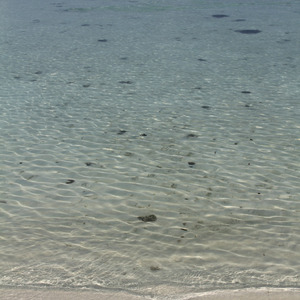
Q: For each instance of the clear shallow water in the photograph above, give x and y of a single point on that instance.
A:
(115, 111)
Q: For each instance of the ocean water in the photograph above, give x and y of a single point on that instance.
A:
(185, 111)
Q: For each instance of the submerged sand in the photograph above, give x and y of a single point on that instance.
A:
(149, 143)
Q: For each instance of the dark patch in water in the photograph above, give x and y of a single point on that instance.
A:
(69, 181)
(125, 82)
(220, 16)
(248, 31)
(154, 268)
(192, 135)
(150, 218)
(121, 132)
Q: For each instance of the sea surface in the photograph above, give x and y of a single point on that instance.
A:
(150, 146)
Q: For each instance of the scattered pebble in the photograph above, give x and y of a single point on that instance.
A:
(192, 135)
(69, 181)
(125, 82)
(150, 218)
(121, 132)
(220, 16)
(248, 31)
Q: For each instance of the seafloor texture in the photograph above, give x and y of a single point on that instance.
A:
(149, 143)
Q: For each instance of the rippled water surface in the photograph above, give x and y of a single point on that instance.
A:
(149, 144)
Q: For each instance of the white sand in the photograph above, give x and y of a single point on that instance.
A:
(247, 294)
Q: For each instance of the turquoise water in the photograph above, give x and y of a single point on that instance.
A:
(114, 111)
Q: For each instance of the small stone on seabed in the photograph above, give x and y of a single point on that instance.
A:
(125, 82)
(192, 135)
(69, 181)
(248, 31)
(121, 132)
(220, 16)
(150, 218)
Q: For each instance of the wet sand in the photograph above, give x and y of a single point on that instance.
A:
(246, 294)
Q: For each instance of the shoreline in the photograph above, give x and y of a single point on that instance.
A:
(246, 294)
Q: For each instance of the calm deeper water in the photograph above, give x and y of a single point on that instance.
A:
(149, 145)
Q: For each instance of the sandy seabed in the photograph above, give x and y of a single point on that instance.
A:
(112, 113)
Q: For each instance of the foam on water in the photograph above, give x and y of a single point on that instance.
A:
(114, 112)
